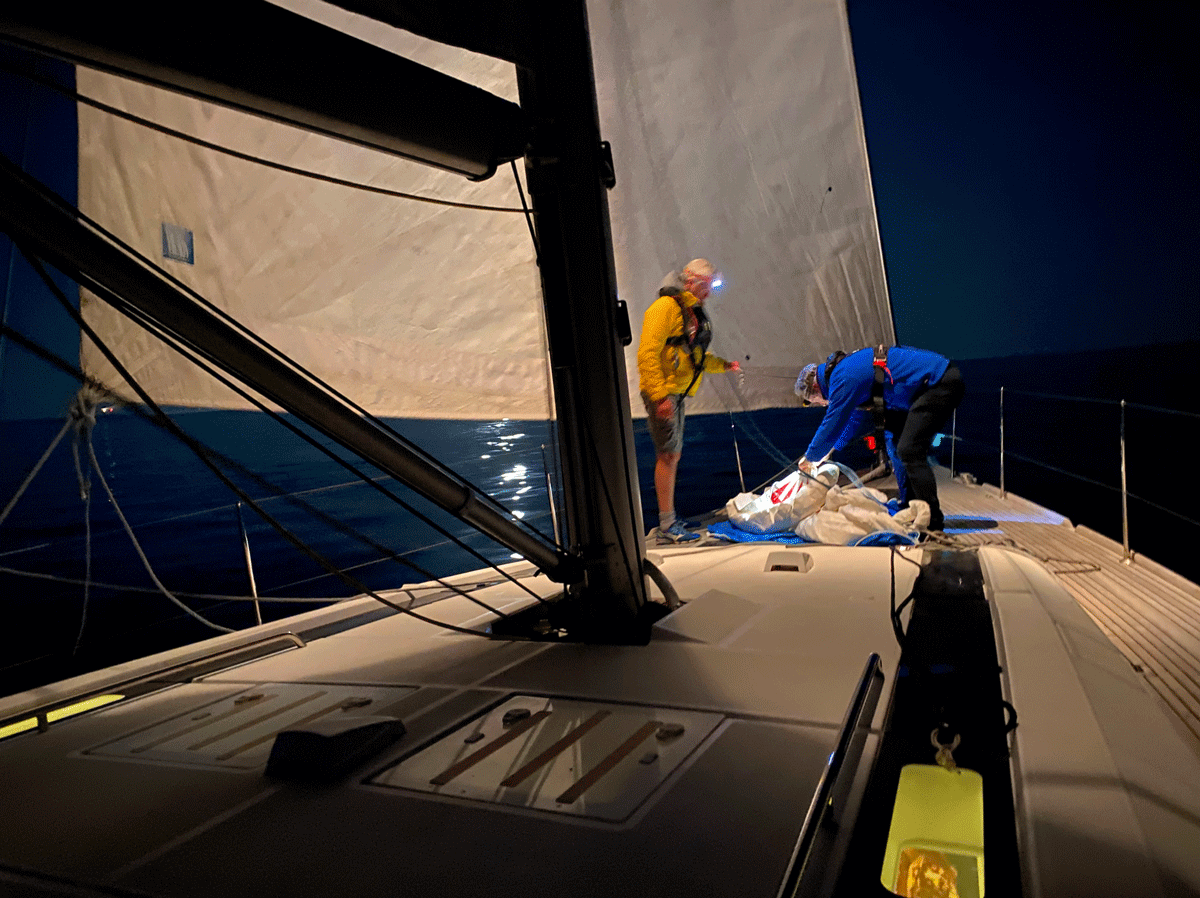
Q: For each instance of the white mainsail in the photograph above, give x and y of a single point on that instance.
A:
(737, 135)
(425, 311)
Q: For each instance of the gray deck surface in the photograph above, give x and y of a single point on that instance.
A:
(761, 659)
(1148, 612)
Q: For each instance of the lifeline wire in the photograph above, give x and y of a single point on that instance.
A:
(1088, 480)
(210, 596)
(283, 531)
(246, 157)
(74, 581)
(203, 453)
(304, 505)
(259, 341)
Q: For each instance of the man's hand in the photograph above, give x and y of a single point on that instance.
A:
(734, 366)
(805, 466)
(666, 407)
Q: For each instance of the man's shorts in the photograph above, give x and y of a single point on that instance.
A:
(667, 434)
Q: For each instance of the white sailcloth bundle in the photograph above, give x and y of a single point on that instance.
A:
(782, 505)
(821, 512)
(852, 513)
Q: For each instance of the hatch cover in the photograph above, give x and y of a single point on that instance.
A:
(237, 731)
(587, 759)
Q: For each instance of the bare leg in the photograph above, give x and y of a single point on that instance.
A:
(666, 464)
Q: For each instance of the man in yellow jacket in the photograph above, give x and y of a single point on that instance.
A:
(672, 358)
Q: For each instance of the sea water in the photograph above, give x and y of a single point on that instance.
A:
(1062, 453)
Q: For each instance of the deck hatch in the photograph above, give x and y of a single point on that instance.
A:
(237, 731)
(586, 759)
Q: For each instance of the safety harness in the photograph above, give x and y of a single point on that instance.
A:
(883, 376)
(697, 333)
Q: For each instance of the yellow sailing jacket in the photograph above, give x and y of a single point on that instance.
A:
(663, 369)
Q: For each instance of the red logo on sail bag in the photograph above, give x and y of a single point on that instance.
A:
(784, 492)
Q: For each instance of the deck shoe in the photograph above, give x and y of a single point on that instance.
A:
(677, 533)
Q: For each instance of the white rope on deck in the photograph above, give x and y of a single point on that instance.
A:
(142, 555)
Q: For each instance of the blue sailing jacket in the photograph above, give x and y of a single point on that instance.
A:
(850, 387)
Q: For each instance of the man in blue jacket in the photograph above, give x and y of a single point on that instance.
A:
(914, 390)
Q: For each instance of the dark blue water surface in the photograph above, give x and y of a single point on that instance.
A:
(187, 520)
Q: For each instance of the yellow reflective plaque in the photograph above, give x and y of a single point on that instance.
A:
(88, 704)
(935, 843)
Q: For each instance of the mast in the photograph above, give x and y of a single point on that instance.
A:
(443, 122)
(568, 169)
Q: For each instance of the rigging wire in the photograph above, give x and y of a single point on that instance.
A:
(198, 360)
(247, 157)
(368, 188)
(612, 511)
(83, 417)
(754, 432)
(553, 470)
(736, 452)
(327, 519)
(298, 369)
(290, 497)
(36, 468)
(194, 445)
(553, 477)
(210, 597)
(537, 250)
(142, 555)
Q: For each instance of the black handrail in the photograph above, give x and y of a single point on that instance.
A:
(862, 707)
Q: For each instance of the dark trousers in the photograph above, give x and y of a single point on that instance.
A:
(915, 431)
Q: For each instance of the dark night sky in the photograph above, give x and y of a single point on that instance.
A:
(1034, 166)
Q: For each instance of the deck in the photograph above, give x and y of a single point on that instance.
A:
(1151, 614)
